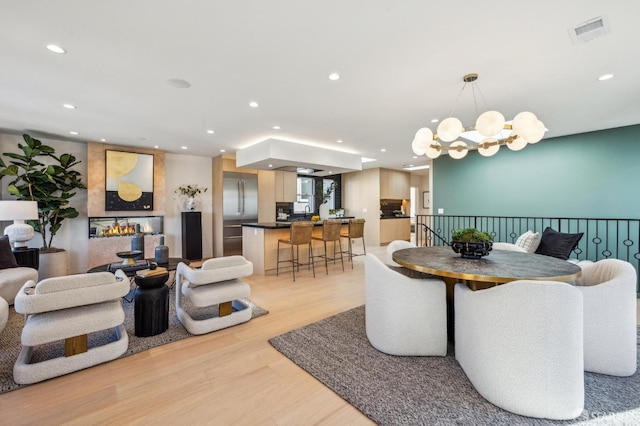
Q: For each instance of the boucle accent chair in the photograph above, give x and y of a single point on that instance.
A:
(215, 283)
(4, 313)
(12, 280)
(404, 316)
(520, 344)
(610, 331)
(394, 246)
(69, 308)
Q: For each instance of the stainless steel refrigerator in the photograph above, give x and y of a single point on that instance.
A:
(239, 205)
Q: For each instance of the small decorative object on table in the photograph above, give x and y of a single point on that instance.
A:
(162, 252)
(471, 243)
(128, 256)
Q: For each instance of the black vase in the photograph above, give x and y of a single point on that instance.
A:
(472, 250)
(162, 252)
(137, 243)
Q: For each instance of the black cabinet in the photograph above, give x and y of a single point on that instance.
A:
(192, 235)
(29, 257)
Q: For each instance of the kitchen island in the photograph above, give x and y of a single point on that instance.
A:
(260, 244)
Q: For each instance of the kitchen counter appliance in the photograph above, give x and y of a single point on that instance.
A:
(239, 205)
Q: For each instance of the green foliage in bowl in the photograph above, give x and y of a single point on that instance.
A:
(470, 235)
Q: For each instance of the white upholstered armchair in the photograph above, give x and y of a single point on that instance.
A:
(67, 309)
(217, 282)
(520, 345)
(404, 316)
(610, 323)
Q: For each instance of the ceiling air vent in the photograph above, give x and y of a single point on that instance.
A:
(590, 30)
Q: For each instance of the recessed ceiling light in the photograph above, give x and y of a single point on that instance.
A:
(415, 156)
(69, 106)
(178, 83)
(270, 165)
(339, 141)
(276, 127)
(223, 150)
(383, 150)
(605, 77)
(184, 147)
(55, 48)
(74, 133)
(434, 120)
(103, 140)
(334, 76)
(210, 132)
(156, 146)
(368, 160)
(253, 104)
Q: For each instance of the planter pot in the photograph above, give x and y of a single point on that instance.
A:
(474, 250)
(53, 264)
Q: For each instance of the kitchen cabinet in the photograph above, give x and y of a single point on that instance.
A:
(395, 184)
(286, 186)
(395, 229)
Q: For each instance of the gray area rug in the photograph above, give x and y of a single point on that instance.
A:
(10, 336)
(393, 390)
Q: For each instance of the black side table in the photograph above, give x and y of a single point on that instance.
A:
(27, 257)
(151, 305)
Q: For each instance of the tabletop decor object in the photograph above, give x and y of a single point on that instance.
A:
(471, 243)
(189, 196)
(128, 256)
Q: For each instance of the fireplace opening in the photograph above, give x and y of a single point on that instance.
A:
(105, 227)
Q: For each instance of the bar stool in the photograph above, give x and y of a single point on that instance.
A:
(330, 232)
(300, 234)
(355, 230)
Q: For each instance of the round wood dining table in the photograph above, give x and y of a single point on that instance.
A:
(499, 267)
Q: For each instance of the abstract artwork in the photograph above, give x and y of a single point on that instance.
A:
(129, 181)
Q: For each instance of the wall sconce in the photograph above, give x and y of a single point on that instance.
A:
(19, 211)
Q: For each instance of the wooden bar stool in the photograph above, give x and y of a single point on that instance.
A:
(300, 234)
(355, 230)
(330, 232)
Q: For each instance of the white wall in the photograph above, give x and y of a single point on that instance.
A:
(184, 170)
(73, 236)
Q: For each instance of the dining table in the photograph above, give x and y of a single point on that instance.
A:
(498, 267)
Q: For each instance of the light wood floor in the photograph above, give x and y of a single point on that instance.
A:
(231, 376)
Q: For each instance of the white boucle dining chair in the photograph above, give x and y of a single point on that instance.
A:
(404, 316)
(521, 346)
(394, 246)
(610, 324)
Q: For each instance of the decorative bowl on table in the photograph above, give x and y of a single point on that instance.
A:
(472, 250)
(128, 256)
(153, 281)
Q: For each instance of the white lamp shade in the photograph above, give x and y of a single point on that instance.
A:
(18, 210)
(490, 123)
(458, 150)
(449, 129)
(422, 140)
(488, 150)
(517, 144)
(433, 151)
(523, 121)
(533, 133)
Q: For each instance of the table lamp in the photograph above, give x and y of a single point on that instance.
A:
(19, 211)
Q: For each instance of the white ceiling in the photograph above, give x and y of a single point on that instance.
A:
(401, 64)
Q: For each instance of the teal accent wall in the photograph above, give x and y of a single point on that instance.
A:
(591, 175)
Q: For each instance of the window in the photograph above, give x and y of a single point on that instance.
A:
(310, 190)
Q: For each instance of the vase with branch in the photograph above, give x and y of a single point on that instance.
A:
(189, 195)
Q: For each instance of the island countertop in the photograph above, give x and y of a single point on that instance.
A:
(286, 224)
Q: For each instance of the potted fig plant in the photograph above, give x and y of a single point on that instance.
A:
(38, 174)
(471, 243)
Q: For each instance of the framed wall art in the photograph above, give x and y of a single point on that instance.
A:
(425, 200)
(129, 181)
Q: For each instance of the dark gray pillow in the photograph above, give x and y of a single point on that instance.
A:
(7, 259)
(558, 244)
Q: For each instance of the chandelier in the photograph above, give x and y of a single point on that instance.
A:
(494, 132)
